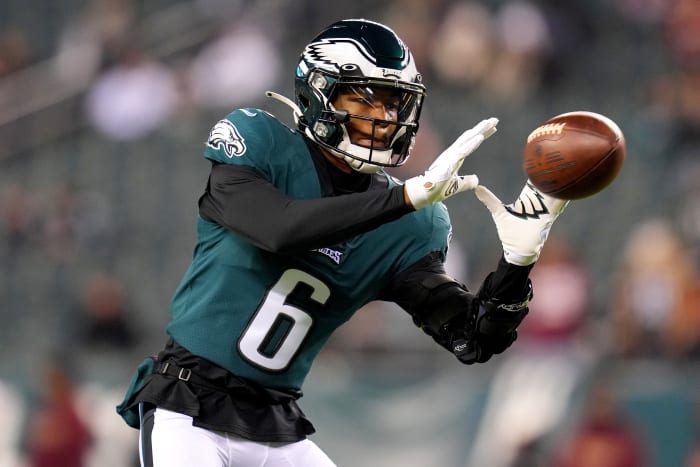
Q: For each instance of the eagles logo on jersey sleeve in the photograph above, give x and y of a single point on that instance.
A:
(237, 138)
(226, 137)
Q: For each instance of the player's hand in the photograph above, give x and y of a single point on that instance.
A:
(496, 323)
(441, 180)
(460, 336)
(490, 330)
(470, 351)
(524, 225)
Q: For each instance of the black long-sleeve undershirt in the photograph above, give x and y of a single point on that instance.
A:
(242, 200)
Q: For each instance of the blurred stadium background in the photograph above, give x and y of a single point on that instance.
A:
(104, 108)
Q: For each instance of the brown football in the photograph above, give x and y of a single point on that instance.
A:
(574, 155)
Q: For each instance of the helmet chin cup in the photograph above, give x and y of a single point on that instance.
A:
(362, 159)
(362, 167)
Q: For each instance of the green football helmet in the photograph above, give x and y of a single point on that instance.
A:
(363, 56)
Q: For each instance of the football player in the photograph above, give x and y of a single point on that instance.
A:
(300, 227)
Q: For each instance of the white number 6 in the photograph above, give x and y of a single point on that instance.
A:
(278, 328)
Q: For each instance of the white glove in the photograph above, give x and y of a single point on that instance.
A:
(441, 180)
(523, 226)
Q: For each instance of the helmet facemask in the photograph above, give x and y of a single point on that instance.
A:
(387, 141)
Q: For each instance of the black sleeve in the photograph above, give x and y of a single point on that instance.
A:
(239, 198)
(409, 289)
(507, 284)
(429, 294)
(435, 300)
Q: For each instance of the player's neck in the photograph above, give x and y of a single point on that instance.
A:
(343, 177)
(337, 162)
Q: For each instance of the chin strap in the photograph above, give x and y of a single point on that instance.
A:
(296, 111)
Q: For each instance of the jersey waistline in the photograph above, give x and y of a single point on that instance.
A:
(220, 401)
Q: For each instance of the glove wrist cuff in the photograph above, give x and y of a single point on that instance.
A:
(416, 192)
(518, 259)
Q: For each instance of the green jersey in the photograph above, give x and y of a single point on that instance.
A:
(265, 316)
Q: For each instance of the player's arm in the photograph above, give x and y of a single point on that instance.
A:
(472, 326)
(239, 198)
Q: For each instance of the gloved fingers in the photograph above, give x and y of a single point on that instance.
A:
(465, 144)
(484, 356)
(491, 201)
(468, 147)
(472, 353)
(480, 129)
(450, 162)
(498, 345)
(490, 131)
(464, 183)
(555, 206)
(486, 128)
(476, 135)
(451, 159)
(461, 152)
(466, 351)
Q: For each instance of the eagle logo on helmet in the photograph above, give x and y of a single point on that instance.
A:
(327, 53)
(226, 136)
